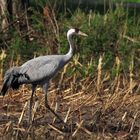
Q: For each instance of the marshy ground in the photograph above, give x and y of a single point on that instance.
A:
(107, 110)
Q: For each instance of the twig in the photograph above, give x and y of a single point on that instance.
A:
(54, 128)
(22, 113)
(131, 68)
(34, 109)
(14, 22)
(66, 118)
(124, 115)
(7, 127)
(132, 125)
(99, 73)
(139, 135)
(78, 127)
(130, 39)
(85, 130)
(56, 107)
(83, 103)
(20, 119)
(79, 93)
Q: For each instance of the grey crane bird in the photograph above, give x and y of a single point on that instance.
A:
(39, 71)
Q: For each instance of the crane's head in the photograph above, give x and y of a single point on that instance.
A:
(75, 31)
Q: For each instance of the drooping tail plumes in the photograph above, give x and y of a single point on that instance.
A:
(11, 80)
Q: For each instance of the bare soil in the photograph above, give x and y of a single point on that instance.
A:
(110, 111)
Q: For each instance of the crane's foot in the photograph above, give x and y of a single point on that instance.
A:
(48, 107)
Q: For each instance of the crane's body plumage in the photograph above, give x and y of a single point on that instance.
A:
(39, 71)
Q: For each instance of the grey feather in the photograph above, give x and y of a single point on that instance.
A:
(11, 79)
(41, 69)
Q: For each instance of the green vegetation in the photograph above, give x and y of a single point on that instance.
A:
(113, 34)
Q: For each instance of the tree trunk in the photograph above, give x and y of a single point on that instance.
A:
(19, 6)
(15, 8)
(3, 16)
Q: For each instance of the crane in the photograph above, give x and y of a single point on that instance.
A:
(39, 71)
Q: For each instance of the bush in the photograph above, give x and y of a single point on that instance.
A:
(113, 34)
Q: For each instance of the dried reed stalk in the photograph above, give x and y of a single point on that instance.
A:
(56, 107)
(117, 78)
(61, 78)
(73, 95)
(8, 127)
(139, 135)
(20, 119)
(22, 113)
(59, 87)
(130, 39)
(89, 18)
(68, 112)
(131, 67)
(82, 103)
(78, 127)
(54, 128)
(132, 125)
(34, 109)
(118, 65)
(2, 56)
(84, 129)
(99, 68)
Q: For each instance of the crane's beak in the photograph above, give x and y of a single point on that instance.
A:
(81, 33)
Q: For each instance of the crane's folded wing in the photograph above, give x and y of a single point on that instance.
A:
(42, 73)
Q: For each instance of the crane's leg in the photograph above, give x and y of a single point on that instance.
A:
(31, 103)
(45, 87)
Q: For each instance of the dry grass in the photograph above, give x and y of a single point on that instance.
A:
(93, 108)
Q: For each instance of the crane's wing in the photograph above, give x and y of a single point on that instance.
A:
(46, 71)
(39, 71)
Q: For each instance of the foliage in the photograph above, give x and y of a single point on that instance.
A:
(106, 36)
(113, 34)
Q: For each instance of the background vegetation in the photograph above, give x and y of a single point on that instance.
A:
(114, 33)
(102, 77)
